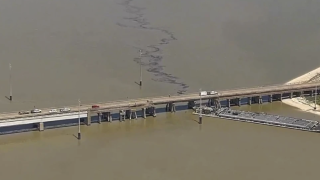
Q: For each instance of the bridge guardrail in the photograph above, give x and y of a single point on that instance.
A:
(16, 118)
(74, 108)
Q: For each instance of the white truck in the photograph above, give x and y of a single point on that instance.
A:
(203, 93)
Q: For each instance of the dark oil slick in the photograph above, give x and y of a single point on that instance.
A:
(152, 57)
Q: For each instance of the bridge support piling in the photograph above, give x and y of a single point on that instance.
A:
(270, 98)
(41, 126)
(128, 114)
(260, 100)
(108, 116)
(170, 107)
(122, 115)
(238, 101)
(232, 102)
(228, 103)
(211, 102)
(280, 97)
(255, 99)
(217, 104)
(134, 114)
(88, 119)
(249, 100)
(291, 95)
(191, 104)
(99, 118)
(151, 111)
(144, 115)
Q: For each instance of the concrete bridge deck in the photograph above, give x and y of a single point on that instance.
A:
(223, 94)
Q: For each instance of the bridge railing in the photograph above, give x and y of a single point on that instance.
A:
(23, 118)
(261, 86)
(129, 101)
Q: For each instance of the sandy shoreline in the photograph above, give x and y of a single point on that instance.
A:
(300, 102)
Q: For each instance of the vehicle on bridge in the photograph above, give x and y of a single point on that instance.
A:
(65, 110)
(212, 92)
(23, 112)
(53, 111)
(36, 111)
(205, 93)
(95, 106)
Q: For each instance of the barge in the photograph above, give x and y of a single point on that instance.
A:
(260, 118)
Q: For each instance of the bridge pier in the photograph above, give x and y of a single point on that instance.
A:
(88, 119)
(134, 114)
(144, 115)
(211, 102)
(255, 99)
(99, 117)
(122, 115)
(238, 101)
(301, 94)
(216, 103)
(171, 107)
(41, 126)
(270, 98)
(291, 95)
(131, 113)
(128, 114)
(107, 116)
(151, 111)
(232, 102)
(228, 103)
(249, 100)
(191, 104)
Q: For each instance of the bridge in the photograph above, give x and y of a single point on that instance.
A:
(127, 108)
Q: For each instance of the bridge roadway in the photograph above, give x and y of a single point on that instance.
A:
(224, 94)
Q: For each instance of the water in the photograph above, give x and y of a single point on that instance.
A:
(64, 50)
